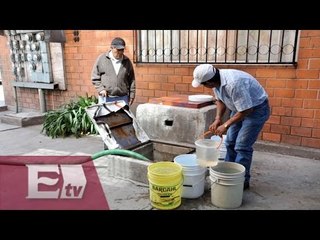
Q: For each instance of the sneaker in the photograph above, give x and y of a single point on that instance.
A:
(246, 185)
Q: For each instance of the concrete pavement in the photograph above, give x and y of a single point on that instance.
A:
(279, 182)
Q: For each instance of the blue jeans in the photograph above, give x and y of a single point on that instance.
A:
(242, 135)
(112, 99)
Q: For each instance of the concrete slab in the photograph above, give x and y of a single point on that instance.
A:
(23, 119)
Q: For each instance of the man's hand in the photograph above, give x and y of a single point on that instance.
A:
(131, 101)
(103, 93)
(213, 127)
(221, 130)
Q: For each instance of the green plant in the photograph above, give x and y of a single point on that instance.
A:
(70, 119)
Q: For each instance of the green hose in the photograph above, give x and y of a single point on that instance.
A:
(122, 152)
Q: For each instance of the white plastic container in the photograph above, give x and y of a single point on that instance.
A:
(227, 179)
(193, 175)
(207, 152)
(200, 98)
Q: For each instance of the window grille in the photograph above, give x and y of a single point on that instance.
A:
(216, 46)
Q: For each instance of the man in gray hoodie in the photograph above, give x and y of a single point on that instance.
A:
(113, 74)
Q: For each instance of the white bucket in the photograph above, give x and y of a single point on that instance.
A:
(222, 148)
(227, 179)
(193, 175)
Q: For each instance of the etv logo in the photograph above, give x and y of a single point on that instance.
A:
(72, 177)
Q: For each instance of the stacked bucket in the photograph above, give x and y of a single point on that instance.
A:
(227, 178)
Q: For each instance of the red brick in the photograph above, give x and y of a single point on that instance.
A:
(140, 99)
(154, 86)
(187, 79)
(161, 78)
(304, 42)
(305, 113)
(159, 93)
(289, 139)
(274, 119)
(309, 53)
(295, 103)
(280, 129)
(274, 137)
(268, 73)
(290, 121)
(281, 111)
(266, 127)
(315, 42)
(310, 142)
(307, 74)
(275, 102)
(285, 93)
(148, 93)
(303, 64)
(174, 79)
(141, 70)
(166, 70)
(316, 132)
(314, 84)
(301, 131)
(286, 73)
(154, 70)
(275, 83)
(148, 78)
(310, 33)
(314, 64)
(297, 84)
(313, 104)
(181, 87)
(308, 122)
(270, 92)
(181, 71)
(144, 85)
(167, 86)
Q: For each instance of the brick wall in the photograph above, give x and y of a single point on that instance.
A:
(294, 91)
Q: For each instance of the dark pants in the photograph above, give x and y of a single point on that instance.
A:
(112, 99)
(242, 135)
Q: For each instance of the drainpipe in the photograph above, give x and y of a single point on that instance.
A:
(42, 100)
(15, 98)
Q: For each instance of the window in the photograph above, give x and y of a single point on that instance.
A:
(216, 46)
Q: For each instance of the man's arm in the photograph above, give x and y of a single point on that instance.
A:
(96, 76)
(221, 108)
(234, 119)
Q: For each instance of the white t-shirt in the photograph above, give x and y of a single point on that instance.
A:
(115, 62)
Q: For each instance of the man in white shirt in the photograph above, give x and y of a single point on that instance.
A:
(248, 102)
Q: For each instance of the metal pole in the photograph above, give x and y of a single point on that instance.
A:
(15, 98)
(42, 100)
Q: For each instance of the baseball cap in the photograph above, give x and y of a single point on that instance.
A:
(118, 43)
(202, 73)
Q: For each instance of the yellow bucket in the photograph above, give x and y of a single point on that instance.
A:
(165, 185)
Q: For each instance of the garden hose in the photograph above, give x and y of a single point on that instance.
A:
(122, 152)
